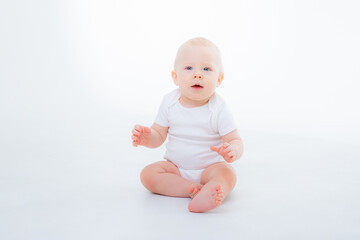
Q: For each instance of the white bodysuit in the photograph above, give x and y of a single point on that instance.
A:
(192, 131)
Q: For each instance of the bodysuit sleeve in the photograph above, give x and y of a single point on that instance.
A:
(225, 123)
(162, 115)
(169, 100)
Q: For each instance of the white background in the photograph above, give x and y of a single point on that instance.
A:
(290, 66)
(75, 76)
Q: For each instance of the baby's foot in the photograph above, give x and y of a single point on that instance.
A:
(194, 190)
(207, 200)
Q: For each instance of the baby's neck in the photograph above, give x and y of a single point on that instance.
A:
(189, 103)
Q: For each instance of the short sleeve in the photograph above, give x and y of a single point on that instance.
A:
(226, 123)
(162, 115)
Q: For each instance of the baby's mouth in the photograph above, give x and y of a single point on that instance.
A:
(197, 86)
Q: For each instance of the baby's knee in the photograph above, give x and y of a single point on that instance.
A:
(227, 173)
(146, 177)
(230, 175)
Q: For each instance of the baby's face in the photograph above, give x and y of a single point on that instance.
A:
(197, 72)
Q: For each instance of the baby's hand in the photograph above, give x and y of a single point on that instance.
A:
(141, 135)
(226, 151)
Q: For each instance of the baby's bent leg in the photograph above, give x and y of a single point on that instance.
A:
(218, 179)
(164, 178)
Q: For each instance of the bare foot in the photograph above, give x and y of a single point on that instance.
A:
(194, 190)
(207, 199)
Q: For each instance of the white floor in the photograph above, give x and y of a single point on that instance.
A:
(82, 182)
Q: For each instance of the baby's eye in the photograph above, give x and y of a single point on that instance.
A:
(188, 68)
(207, 69)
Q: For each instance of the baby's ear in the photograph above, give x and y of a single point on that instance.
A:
(220, 79)
(174, 77)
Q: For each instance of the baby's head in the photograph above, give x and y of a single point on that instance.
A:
(200, 42)
(198, 69)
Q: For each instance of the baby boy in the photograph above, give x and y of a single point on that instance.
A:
(202, 136)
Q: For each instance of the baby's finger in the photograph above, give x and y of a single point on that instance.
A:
(226, 145)
(231, 154)
(136, 133)
(134, 137)
(215, 149)
(221, 151)
(230, 160)
(227, 159)
(228, 149)
(138, 128)
(135, 143)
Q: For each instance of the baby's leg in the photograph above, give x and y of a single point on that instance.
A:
(218, 180)
(164, 178)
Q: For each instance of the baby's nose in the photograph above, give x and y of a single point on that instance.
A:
(197, 76)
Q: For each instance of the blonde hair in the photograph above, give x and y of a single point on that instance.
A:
(201, 41)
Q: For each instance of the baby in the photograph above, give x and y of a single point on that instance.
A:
(203, 139)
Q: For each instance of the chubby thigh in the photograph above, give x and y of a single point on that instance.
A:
(162, 167)
(164, 178)
(221, 172)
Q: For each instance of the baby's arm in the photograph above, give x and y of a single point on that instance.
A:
(232, 149)
(149, 137)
